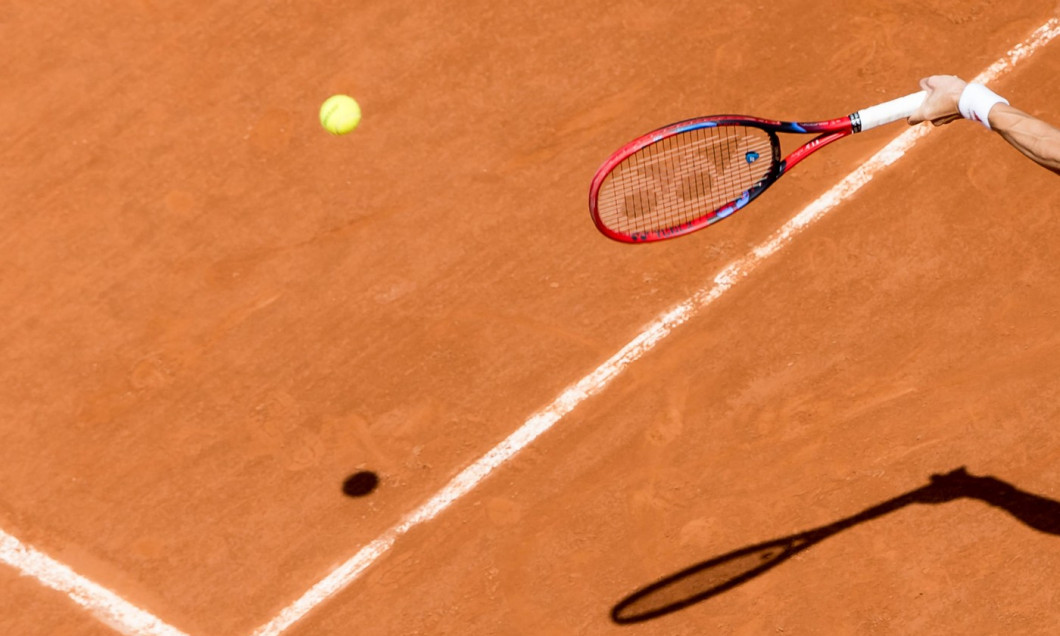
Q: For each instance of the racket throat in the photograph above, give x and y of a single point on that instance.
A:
(809, 148)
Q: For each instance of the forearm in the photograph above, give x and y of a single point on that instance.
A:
(1031, 136)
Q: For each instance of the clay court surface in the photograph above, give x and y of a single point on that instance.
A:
(215, 312)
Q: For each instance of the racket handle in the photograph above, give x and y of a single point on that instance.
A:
(887, 112)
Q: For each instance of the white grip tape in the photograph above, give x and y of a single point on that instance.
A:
(976, 102)
(891, 111)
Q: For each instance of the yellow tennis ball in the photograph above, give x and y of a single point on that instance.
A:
(340, 114)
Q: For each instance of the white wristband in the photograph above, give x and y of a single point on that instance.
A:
(976, 102)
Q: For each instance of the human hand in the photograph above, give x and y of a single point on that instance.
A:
(940, 105)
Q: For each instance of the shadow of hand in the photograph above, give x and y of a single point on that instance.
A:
(1039, 513)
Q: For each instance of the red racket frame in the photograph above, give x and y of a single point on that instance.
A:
(826, 131)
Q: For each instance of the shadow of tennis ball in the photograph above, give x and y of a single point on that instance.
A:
(360, 484)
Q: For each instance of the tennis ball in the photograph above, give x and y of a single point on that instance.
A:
(340, 114)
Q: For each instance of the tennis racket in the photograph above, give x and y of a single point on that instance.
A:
(688, 175)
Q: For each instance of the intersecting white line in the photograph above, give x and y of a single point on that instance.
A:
(98, 600)
(128, 619)
(652, 334)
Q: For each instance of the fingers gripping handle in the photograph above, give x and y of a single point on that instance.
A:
(887, 112)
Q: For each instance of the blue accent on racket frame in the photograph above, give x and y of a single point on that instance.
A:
(695, 126)
(736, 205)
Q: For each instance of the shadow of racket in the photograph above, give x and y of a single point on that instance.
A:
(720, 574)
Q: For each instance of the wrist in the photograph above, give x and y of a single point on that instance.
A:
(976, 101)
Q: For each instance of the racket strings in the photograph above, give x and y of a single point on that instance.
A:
(682, 178)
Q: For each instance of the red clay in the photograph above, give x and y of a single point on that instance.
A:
(216, 312)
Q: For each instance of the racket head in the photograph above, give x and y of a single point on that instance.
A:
(684, 177)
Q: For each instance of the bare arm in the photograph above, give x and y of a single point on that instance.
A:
(1033, 137)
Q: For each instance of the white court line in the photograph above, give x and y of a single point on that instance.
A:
(98, 600)
(133, 621)
(652, 334)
